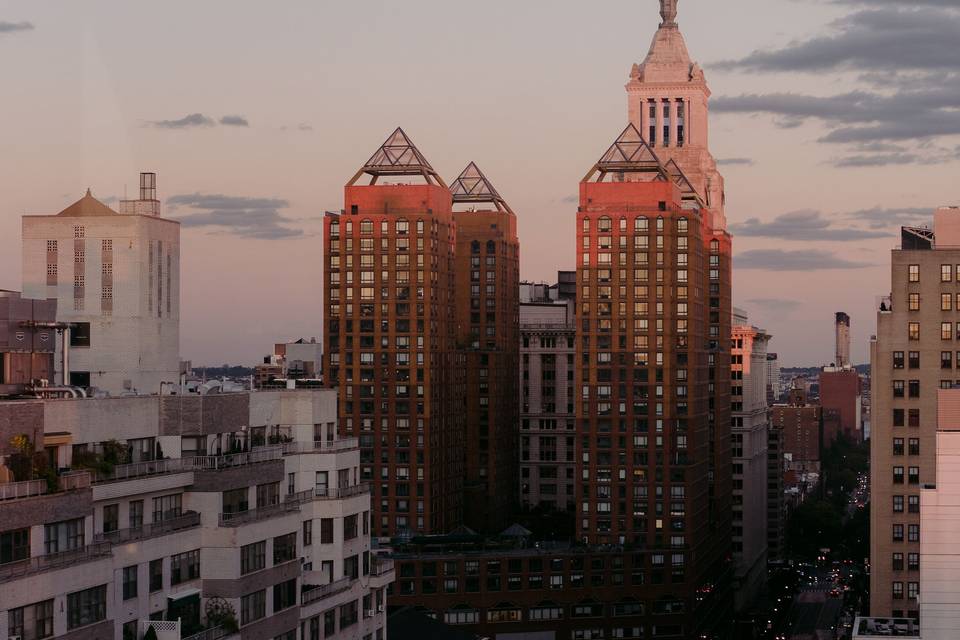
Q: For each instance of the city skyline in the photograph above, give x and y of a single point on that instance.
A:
(82, 117)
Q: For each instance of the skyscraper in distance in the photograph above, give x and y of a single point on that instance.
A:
(842, 329)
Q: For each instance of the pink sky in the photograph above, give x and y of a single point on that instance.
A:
(532, 91)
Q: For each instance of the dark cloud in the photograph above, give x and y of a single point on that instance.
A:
(234, 121)
(778, 260)
(885, 218)
(774, 304)
(248, 217)
(13, 27)
(187, 122)
(886, 38)
(802, 225)
(949, 4)
(730, 162)
(908, 55)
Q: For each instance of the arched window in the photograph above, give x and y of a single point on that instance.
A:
(604, 224)
(366, 226)
(491, 246)
(475, 246)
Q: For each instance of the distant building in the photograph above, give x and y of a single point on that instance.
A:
(801, 424)
(842, 328)
(841, 400)
(749, 441)
(547, 421)
(883, 628)
(116, 278)
(300, 360)
(776, 505)
(774, 386)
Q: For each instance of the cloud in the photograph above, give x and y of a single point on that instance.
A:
(778, 260)
(885, 38)
(187, 122)
(884, 218)
(908, 56)
(774, 304)
(303, 126)
(247, 217)
(571, 199)
(234, 121)
(13, 27)
(802, 225)
(731, 162)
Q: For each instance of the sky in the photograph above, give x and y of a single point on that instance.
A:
(835, 121)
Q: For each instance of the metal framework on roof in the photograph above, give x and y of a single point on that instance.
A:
(472, 186)
(629, 154)
(398, 156)
(687, 191)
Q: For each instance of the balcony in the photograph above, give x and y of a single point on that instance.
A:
(334, 446)
(380, 566)
(315, 593)
(239, 518)
(196, 463)
(338, 493)
(189, 520)
(38, 564)
(30, 488)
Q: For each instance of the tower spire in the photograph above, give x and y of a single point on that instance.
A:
(668, 12)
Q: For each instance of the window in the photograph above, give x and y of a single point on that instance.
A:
(253, 557)
(898, 562)
(350, 527)
(156, 575)
(898, 533)
(946, 301)
(130, 582)
(80, 333)
(898, 591)
(898, 446)
(253, 606)
(946, 273)
(898, 504)
(86, 607)
(913, 388)
(898, 475)
(307, 533)
(898, 419)
(234, 501)
(111, 517)
(285, 548)
(913, 504)
(898, 388)
(913, 331)
(326, 531)
(913, 475)
(914, 360)
(135, 514)
(913, 272)
(946, 359)
(32, 622)
(268, 494)
(913, 533)
(14, 545)
(913, 590)
(167, 507)
(898, 359)
(914, 449)
(284, 595)
(184, 567)
(63, 536)
(913, 417)
(913, 302)
(461, 616)
(913, 562)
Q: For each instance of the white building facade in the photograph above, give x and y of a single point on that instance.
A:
(116, 276)
(228, 516)
(749, 440)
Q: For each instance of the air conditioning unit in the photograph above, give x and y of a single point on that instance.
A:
(379, 608)
(371, 613)
(14, 637)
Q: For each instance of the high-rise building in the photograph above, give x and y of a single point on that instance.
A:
(776, 504)
(800, 423)
(912, 357)
(231, 515)
(390, 338)
(116, 278)
(487, 276)
(842, 340)
(750, 424)
(547, 421)
(653, 340)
